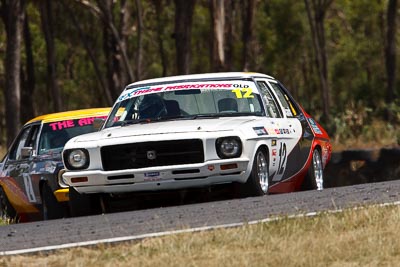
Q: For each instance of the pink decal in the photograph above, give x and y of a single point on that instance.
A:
(196, 86)
(89, 121)
(53, 126)
(147, 90)
(59, 125)
(85, 121)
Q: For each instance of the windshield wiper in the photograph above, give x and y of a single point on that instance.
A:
(205, 116)
(185, 117)
(167, 118)
(129, 122)
(149, 120)
(236, 114)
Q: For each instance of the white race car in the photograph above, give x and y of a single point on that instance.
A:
(195, 131)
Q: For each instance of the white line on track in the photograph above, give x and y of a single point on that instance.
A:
(190, 230)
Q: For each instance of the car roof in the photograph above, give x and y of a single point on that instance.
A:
(217, 75)
(73, 114)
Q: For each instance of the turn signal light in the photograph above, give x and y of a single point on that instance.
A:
(79, 179)
(229, 166)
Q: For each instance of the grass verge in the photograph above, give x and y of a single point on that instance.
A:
(374, 135)
(363, 237)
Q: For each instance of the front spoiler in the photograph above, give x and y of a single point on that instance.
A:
(160, 178)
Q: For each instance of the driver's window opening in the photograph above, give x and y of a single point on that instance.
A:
(269, 101)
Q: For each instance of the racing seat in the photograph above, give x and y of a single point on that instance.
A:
(227, 104)
(172, 107)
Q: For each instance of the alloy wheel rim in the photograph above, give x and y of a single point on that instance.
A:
(318, 171)
(262, 171)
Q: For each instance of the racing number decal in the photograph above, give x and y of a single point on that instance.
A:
(282, 159)
(29, 188)
(278, 174)
(243, 93)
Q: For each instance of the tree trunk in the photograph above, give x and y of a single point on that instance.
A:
(28, 88)
(316, 16)
(390, 53)
(13, 16)
(160, 29)
(123, 30)
(47, 25)
(110, 49)
(139, 49)
(217, 10)
(119, 71)
(230, 29)
(106, 94)
(184, 10)
(247, 34)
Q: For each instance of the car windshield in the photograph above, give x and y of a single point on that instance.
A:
(186, 100)
(54, 135)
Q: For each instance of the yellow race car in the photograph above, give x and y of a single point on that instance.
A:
(30, 172)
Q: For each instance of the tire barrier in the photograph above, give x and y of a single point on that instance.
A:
(351, 167)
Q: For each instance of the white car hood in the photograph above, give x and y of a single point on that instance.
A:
(168, 127)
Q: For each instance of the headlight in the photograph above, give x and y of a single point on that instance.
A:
(228, 147)
(76, 159)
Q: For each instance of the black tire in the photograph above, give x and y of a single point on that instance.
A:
(51, 208)
(315, 176)
(83, 204)
(259, 181)
(7, 211)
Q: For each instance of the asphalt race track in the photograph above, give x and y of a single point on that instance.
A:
(130, 225)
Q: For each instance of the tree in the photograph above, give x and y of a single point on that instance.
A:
(139, 49)
(119, 70)
(183, 27)
(247, 33)
(106, 94)
(230, 29)
(46, 15)
(390, 53)
(316, 11)
(28, 87)
(217, 10)
(114, 44)
(13, 13)
(159, 29)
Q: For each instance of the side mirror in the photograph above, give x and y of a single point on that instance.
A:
(26, 152)
(98, 123)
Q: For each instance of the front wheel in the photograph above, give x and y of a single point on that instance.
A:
(258, 182)
(83, 204)
(51, 208)
(7, 212)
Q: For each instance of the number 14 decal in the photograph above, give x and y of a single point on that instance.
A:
(29, 188)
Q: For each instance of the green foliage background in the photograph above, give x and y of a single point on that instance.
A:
(355, 33)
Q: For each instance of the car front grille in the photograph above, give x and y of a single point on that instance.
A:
(152, 154)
